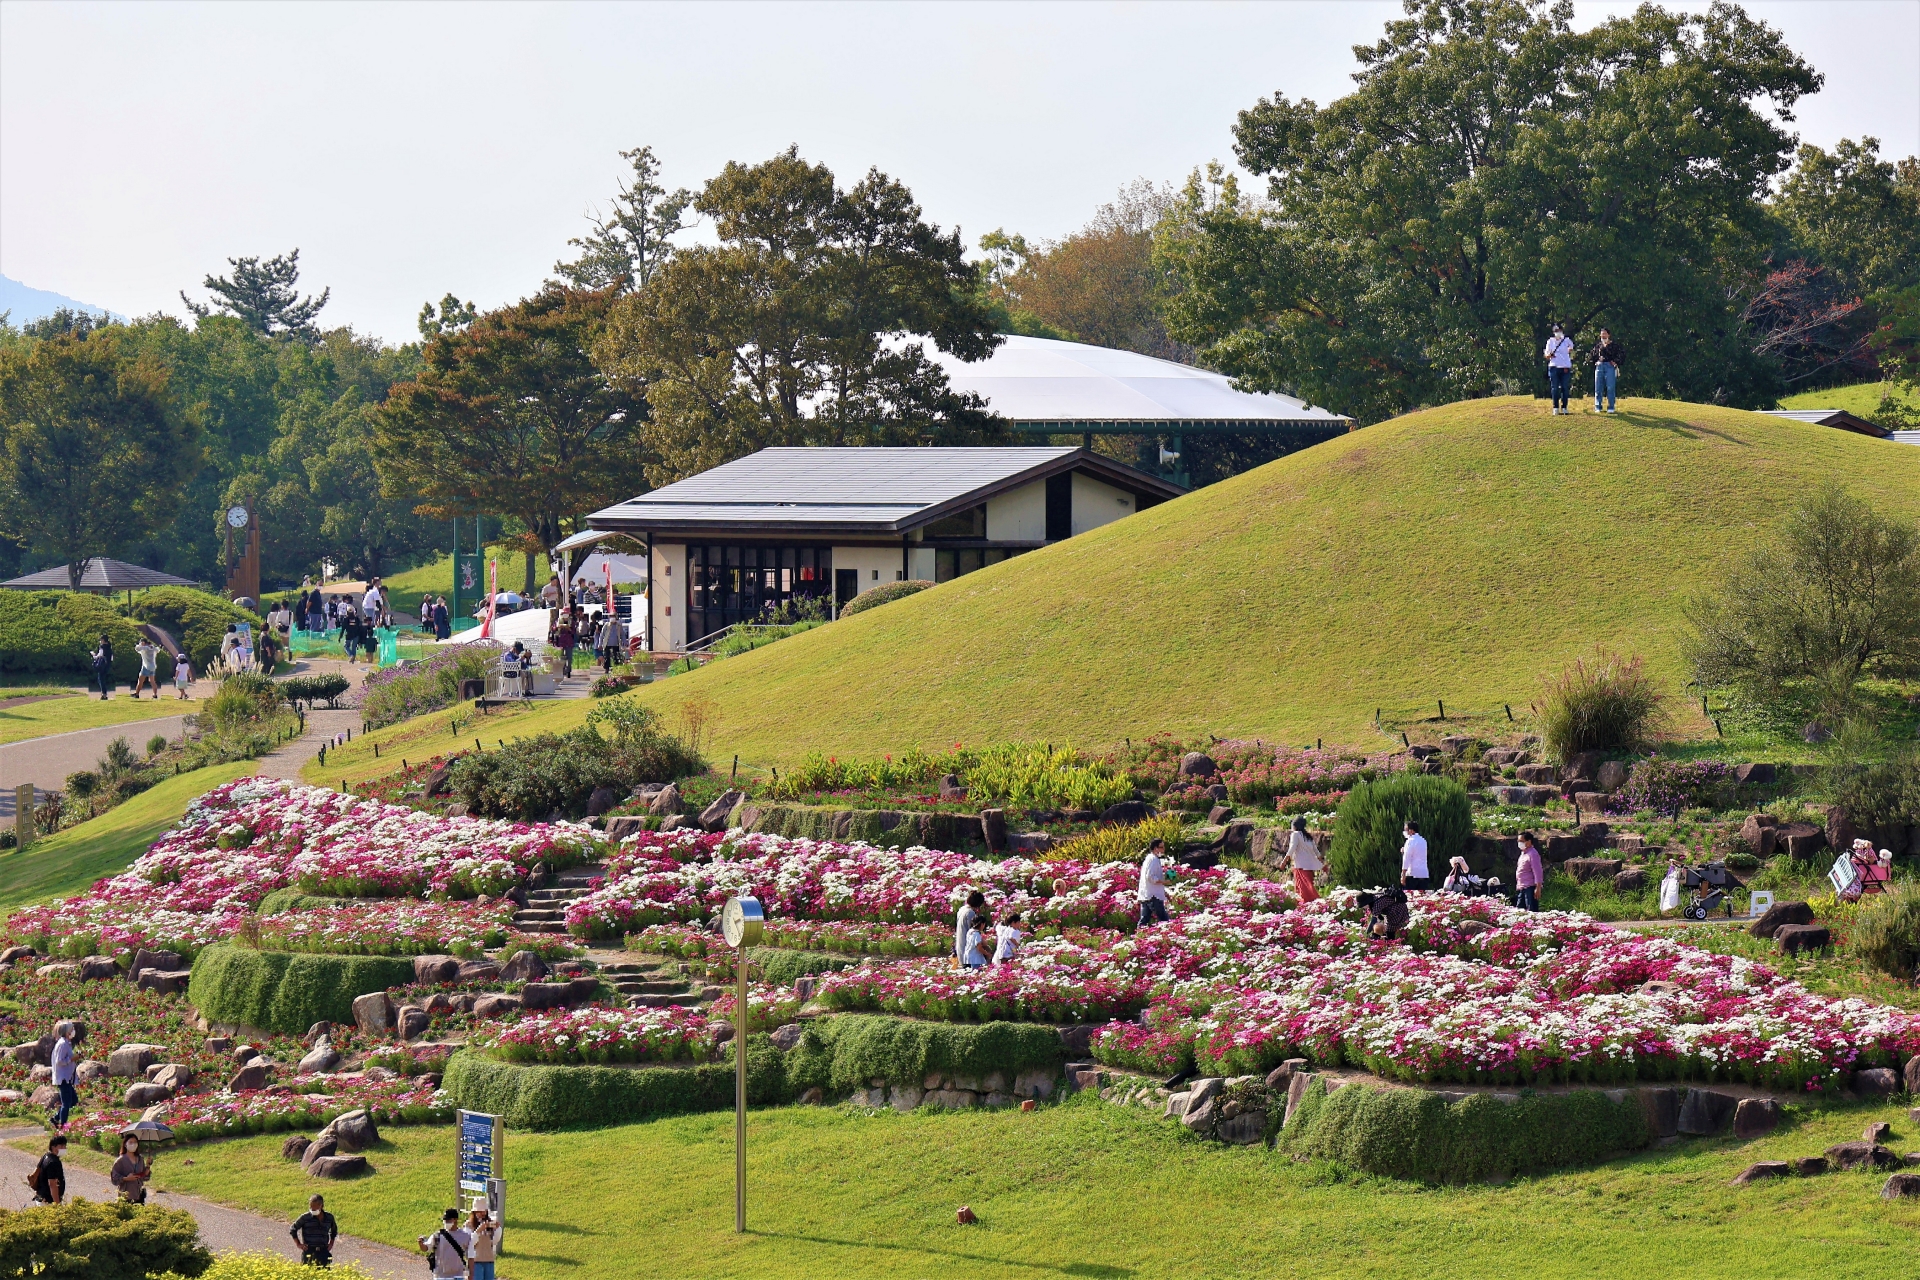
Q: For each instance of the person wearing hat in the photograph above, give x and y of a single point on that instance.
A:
(485, 1232)
(315, 1231)
(447, 1248)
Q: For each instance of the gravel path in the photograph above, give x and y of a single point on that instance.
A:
(221, 1228)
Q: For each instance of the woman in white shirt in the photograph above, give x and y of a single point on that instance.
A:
(1305, 856)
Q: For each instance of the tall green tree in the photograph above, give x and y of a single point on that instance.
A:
(93, 450)
(1493, 171)
(804, 325)
(635, 239)
(263, 295)
(510, 416)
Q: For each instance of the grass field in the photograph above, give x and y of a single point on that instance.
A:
(1860, 399)
(70, 860)
(1087, 1190)
(79, 711)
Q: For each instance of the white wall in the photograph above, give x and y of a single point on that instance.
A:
(1095, 504)
(668, 593)
(1019, 515)
(874, 564)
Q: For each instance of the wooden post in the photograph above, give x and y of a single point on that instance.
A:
(23, 815)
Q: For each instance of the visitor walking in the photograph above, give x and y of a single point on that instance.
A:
(1305, 856)
(103, 665)
(149, 668)
(442, 620)
(1153, 883)
(130, 1172)
(372, 603)
(1559, 355)
(300, 612)
(562, 637)
(1606, 369)
(1413, 858)
(447, 1248)
(49, 1177)
(1528, 875)
(485, 1231)
(182, 674)
(315, 1231)
(65, 1074)
(966, 922)
(611, 642)
(1007, 938)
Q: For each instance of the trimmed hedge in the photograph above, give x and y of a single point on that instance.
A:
(1367, 835)
(55, 631)
(1417, 1134)
(197, 619)
(844, 1053)
(882, 594)
(286, 991)
(111, 1240)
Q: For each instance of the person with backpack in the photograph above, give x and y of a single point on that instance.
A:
(446, 1249)
(103, 665)
(65, 1074)
(1559, 357)
(1606, 369)
(48, 1181)
(315, 1231)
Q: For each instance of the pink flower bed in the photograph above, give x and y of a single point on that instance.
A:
(399, 926)
(194, 1116)
(599, 1035)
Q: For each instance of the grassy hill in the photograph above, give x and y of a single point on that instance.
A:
(1861, 399)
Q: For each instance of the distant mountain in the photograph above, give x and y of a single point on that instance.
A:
(26, 304)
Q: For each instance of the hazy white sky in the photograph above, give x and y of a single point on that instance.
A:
(408, 150)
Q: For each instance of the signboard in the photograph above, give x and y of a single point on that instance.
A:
(466, 576)
(481, 1139)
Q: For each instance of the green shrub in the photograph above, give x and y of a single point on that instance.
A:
(530, 778)
(543, 1097)
(82, 784)
(1875, 794)
(197, 619)
(56, 631)
(1417, 1134)
(882, 594)
(286, 991)
(156, 744)
(1367, 835)
(1886, 932)
(269, 1266)
(778, 966)
(294, 900)
(307, 690)
(244, 700)
(1611, 705)
(845, 1052)
(85, 1240)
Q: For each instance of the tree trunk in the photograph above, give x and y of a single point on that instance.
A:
(530, 587)
(75, 568)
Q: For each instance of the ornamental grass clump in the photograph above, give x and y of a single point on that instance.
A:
(400, 693)
(1886, 933)
(1609, 704)
(1117, 842)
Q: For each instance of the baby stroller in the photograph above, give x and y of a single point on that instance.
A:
(1708, 886)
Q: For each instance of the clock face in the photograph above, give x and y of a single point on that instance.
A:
(237, 517)
(740, 922)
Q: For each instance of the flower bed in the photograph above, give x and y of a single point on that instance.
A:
(405, 927)
(197, 1116)
(599, 1036)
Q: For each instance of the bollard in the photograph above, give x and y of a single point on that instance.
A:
(1443, 710)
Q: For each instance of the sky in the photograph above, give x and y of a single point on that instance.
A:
(409, 150)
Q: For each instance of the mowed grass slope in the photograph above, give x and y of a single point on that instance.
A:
(1861, 399)
(1458, 553)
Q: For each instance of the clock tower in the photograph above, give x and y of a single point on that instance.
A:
(243, 575)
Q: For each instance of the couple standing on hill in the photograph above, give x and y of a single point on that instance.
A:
(1605, 357)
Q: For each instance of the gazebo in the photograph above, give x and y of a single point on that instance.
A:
(101, 574)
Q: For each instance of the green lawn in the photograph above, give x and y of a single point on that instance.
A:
(1088, 1190)
(78, 711)
(1860, 399)
(70, 860)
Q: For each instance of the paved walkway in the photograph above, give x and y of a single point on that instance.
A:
(221, 1228)
(46, 762)
(287, 759)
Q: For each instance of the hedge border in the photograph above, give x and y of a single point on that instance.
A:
(287, 991)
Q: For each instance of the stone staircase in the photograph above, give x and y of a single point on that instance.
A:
(653, 984)
(546, 909)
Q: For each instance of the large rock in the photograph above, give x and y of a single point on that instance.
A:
(322, 1057)
(678, 822)
(1585, 869)
(252, 1076)
(1582, 764)
(440, 781)
(1764, 1169)
(905, 1097)
(1755, 774)
(495, 1004)
(1876, 1082)
(1661, 1107)
(478, 973)
(144, 1094)
(436, 971)
(15, 954)
(1755, 1117)
(1706, 1112)
(545, 995)
(173, 1076)
(787, 1038)
(1809, 1166)
(144, 960)
(59, 969)
(164, 982)
(1801, 840)
(1244, 1129)
(1912, 1075)
(295, 1146)
(88, 1071)
(1037, 1082)
(582, 988)
(1126, 813)
(602, 799)
(526, 966)
(98, 968)
(337, 1167)
(625, 825)
(1610, 776)
(1795, 938)
(1630, 880)
(1760, 833)
(714, 816)
(667, 803)
(411, 1021)
(1780, 913)
(320, 1148)
(993, 829)
(373, 1013)
(1537, 775)
(26, 1053)
(1862, 1155)
(353, 1130)
(46, 1097)
(1201, 1115)
(132, 1060)
(1900, 1186)
(1878, 1131)
(1197, 764)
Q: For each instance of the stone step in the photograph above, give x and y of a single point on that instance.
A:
(644, 987)
(540, 926)
(539, 913)
(554, 897)
(662, 1002)
(630, 966)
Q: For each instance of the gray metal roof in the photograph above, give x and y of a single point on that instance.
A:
(1837, 418)
(100, 574)
(874, 491)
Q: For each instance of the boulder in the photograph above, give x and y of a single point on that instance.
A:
(321, 1147)
(1661, 1107)
(1809, 1166)
(627, 824)
(337, 1167)
(1078, 1038)
(951, 788)
(602, 799)
(410, 1021)
(1244, 1129)
(1912, 1078)
(373, 1013)
(1585, 869)
(526, 966)
(1876, 1082)
(1780, 913)
(1126, 813)
(1901, 1185)
(59, 969)
(477, 973)
(252, 1076)
(1878, 1131)
(1706, 1112)
(90, 1070)
(1581, 764)
(144, 960)
(98, 968)
(41, 1075)
(173, 1076)
(243, 1054)
(1764, 1169)
(1513, 795)
(1630, 880)
(164, 982)
(1815, 733)
(295, 1146)
(1610, 776)
(319, 1031)
(1536, 775)
(1795, 938)
(544, 995)
(436, 971)
(906, 1097)
(144, 1094)
(1755, 1117)
(1219, 815)
(15, 954)
(679, 822)
(667, 803)
(440, 781)
(46, 1097)
(1201, 1115)
(1755, 774)
(132, 1060)
(582, 989)
(1760, 833)
(1036, 1082)
(322, 1057)
(993, 829)
(458, 809)
(1197, 764)
(787, 1038)
(353, 1130)
(25, 1054)
(1861, 1155)
(714, 816)
(495, 1005)
(219, 1044)
(1800, 840)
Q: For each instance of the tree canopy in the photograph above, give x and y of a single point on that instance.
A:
(263, 296)
(635, 238)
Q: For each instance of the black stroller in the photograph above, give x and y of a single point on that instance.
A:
(1708, 887)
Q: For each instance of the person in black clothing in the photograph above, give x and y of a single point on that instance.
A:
(103, 665)
(1386, 912)
(49, 1179)
(1606, 370)
(315, 1231)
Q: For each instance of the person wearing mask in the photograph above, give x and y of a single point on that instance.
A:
(1007, 939)
(550, 594)
(130, 1172)
(1559, 356)
(447, 1248)
(103, 665)
(149, 668)
(371, 604)
(1528, 875)
(49, 1177)
(1413, 858)
(485, 1232)
(1606, 369)
(315, 1231)
(65, 1075)
(966, 922)
(1153, 883)
(182, 674)
(611, 642)
(1304, 854)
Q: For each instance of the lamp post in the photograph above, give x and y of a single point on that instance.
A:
(740, 924)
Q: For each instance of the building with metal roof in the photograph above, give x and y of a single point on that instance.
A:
(98, 573)
(782, 526)
(1838, 418)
